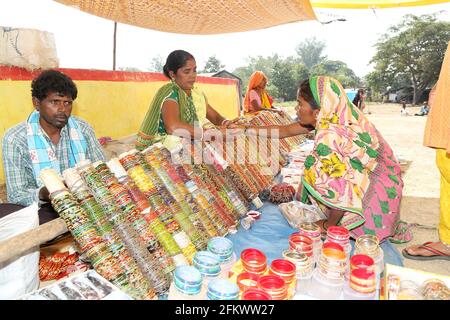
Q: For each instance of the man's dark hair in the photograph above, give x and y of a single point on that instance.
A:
(306, 93)
(53, 81)
(175, 60)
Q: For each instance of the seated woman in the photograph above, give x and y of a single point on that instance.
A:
(424, 110)
(257, 97)
(179, 108)
(352, 173)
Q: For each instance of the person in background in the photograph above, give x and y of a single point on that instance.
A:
(50, 138)
(403, 111)
(436, 136)
(424, 110)
(257, 98)
(352, 173)
(179, 107)
(358, 100)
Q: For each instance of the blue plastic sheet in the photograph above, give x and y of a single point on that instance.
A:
(271, 231)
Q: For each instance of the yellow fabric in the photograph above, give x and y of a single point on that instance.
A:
(437, 129)
(198, 16)
(265, 101)
(365, 4)
(443, 163)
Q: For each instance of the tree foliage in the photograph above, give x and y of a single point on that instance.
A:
(310, 52)
(285, 74)
(259, 63)
(338, 70)
(157, 64)
(411, 51)
(213, 65)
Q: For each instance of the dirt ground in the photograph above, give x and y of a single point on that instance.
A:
(420, 203)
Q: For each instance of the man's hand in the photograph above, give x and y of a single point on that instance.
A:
(44, 194)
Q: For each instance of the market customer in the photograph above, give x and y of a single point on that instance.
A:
(49, 138)
(352, 173)
(177, 105)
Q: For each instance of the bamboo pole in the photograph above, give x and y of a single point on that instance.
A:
(114, 45)
(18, 245)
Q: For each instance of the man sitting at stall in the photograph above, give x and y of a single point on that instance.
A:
(49, 138)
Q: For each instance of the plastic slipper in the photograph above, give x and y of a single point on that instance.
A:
(439, 255)
(403, 231)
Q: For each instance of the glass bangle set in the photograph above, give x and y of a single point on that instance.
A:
(140, 216)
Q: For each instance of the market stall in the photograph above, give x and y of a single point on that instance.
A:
(149, 226)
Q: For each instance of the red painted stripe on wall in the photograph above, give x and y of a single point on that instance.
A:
(16, 73)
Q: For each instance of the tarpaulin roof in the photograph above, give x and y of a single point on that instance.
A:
(367, 4)
(198, 16)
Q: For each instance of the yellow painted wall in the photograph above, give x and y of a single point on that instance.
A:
(113, 108)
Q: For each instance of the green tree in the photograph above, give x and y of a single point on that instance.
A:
(259, 63)
(286, 76)
(338, 70)
(310, 52)
(413, 49)
(156, 65)
(213, 65)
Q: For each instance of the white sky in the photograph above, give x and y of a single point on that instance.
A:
(85, 41)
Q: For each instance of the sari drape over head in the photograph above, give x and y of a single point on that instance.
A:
(351, 168)
(255, 80)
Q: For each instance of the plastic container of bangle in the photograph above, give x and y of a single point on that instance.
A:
(222, 289)
(255, 294)
(323, 288)
(301, 244)
(222, 247)
(247, 280)
(274, 285)
(187, 280)
(341, 236)
(312, 231)
(254, 261)
(351, 294)
(207, 263)
(283, 268)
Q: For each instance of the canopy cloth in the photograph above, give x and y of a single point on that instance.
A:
(368, 4)
(198, 16)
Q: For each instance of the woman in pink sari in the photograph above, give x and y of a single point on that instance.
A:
(352, 173)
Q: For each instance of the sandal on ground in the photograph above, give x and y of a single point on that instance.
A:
(438, 255)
